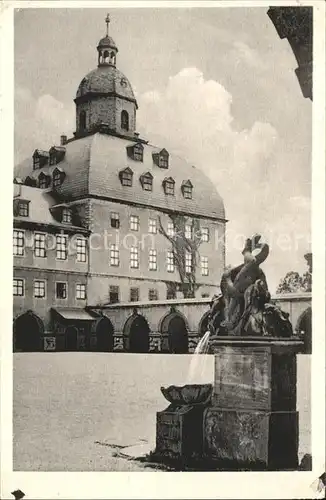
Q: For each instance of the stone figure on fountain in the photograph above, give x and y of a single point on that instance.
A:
(244, 307)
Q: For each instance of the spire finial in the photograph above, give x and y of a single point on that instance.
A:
(107, 20)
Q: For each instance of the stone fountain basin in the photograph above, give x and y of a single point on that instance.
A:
(190, 394)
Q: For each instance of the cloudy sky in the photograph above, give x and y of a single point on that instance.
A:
(215, 85)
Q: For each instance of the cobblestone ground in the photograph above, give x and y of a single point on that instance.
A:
(77, 411)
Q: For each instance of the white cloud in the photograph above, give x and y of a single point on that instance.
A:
(193, 117)
(39, 123)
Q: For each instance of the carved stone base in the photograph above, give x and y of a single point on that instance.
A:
(250, 439)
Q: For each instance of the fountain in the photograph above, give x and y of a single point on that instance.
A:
(246, 420)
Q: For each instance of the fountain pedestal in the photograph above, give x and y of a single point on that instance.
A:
(179, 428)
(252, 422)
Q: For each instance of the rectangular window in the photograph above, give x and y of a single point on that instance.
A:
(114, 294)
(115, 220)
(39, 245)
(152, 260)
(204, 234)
(81, 250)
(18, 287)
(188, 231)
(171, 294)
(204, 266)
(56, 178)
(169, 188)
(61, 290)
(170, 261)
(134, 294)
(163, 161)
(39, 289)
(18, 242)
(152, 294)
(134, 259)
(62, 244)
(134, 222)
(138, 153)
(170, 229)
(36, 162)
(114, 255)
(23, 208)
(188, 262)
(66, 216)
(152, 226)
(147, 182)
(43, 182)
(187, 191)
(80, 291)
(126, 179)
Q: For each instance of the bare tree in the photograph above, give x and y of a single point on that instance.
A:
(181, 246)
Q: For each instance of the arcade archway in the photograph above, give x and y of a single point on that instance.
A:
(104, 335)
(174, 333)
(304, 329)
(28, 329)
(136, 334)
(71, 334)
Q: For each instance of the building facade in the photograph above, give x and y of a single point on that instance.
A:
(105, 217)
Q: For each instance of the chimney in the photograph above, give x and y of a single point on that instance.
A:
(63, 140)
(136, 134)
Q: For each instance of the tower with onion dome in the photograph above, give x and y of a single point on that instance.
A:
(105, 96)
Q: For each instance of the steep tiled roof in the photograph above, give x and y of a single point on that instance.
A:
(105, 79)
(92, 165)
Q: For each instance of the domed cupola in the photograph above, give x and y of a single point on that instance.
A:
(105, 95)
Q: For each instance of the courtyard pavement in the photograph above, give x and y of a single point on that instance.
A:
(96, 411)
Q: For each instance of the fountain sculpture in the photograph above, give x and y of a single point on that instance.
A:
(246, 420)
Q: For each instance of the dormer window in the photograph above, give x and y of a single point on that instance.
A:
(58, 176)
(161, 159)
(168, 186)
(126, 176)
(21, 208)
(136, 152)
(43, 180)
(30, 181)
(146, 181)
(186, 189)
(124, 120)
(57, 154)
(66, 216)
(40, 158)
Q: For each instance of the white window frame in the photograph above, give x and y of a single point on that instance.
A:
(80, 254)
(23, 287)
(114, 255)
(22, 206)
(205, 234)
(134, 258)
(188, 262)
(170, 229)
(188, 231)
(111, 291)
(152, 225)
(34, 288)
(19, 234)
(57, 251)
(55, 290)
(152, 259)
(169, 188)
(38, 233)
(134, 223)
(78, 291)
(66, 215)
(170, 264)
(204, 265)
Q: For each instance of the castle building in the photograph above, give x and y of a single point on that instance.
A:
(105, 217)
